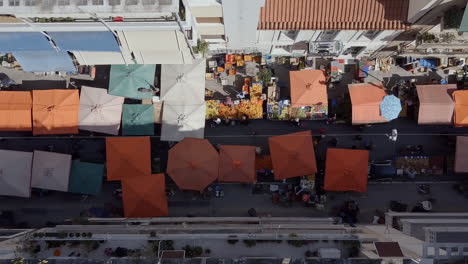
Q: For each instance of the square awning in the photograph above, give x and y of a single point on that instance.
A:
(45, 61)
(85, 41)
(138, 120)
(436, 105)
(173, 50)
(99, 111)
(346, 170)
(184, 83)
(15, 173)
(460, 117)
(23, 41)
(15, 111)
(132, 81)
(86, 178)
(51, 171)
(308, 87)
(365, 100)
(181, 121)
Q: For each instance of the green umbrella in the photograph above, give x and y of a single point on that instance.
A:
(86, 178)
(132, 81)
(137, 120)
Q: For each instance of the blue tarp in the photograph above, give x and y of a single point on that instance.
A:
(85, 41)
(47, 61)
(23, 41)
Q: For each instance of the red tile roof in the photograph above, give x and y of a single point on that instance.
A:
(334, 15)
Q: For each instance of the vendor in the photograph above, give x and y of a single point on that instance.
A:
(296, 122)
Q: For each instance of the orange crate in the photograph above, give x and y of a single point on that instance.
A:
(220, 69)
(248, 58)
(232, 72)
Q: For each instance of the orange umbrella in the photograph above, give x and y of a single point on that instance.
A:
(128, 157)
(145, 196)
(346, 170)
(293, 155)
(237, 164)
(193, 164)
(308, 88)
(55, 112)
(460, 118)
(15, 111)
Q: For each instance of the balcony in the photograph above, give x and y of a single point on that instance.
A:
(325, 48)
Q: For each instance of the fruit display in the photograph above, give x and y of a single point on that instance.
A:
(280, 111)
(212, 109)
(256, 89)
(252, 108)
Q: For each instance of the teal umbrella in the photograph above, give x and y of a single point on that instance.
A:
(86, 178)
(137, 120)
(132, 81)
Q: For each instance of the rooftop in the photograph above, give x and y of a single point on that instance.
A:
(334, 15)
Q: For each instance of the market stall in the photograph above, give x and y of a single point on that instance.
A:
(420, 165)
(51, 171)
(436, 105)
(461, 155)
(181, 121)
(346, 170)
(15, 167)
(132, 81)
(366, 99)
(237, 164)
(460, 118)
(145, 196)
(86, 178)
(15, 111)
(292, 155)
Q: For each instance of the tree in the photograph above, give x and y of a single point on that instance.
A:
(202, 47)
(265, 75)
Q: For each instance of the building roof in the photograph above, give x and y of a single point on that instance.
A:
(435, 103)
(237, 164)
(308, 88)
(334, 15)
(460, 117)
(293, 155)
(366, 99)
(346, 170)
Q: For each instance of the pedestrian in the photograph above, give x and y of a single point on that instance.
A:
(296, 122)
(244, 120)
(216, 122)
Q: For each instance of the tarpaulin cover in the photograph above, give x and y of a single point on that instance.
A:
(15, 111)
(184, 83)
(15, 173)
(436, 105)
(51, 171)
(292, 155)
(308, 88)
(55, 112)
(193, 164)
(138, 120)
(85, 41)
(461, 155)
(86, 178)
(461, 108)
(99, 111)
(132, 81)
(145, 196)
(237, 164)
(365, 100)
(346, 170)
(180, 120)
(23, 41)
(128, 157)
(45, 61)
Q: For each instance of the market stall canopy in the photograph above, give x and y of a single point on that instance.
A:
(15, 111)
(45, 61)
(23, 41)
(128, 157)
(51, 171)
(436, 105)
(461, 155)
(15, 173)
(346, 170)
(460, 117)
(99, 111)
(55, 112)
(102, 58)
(138, 120)
(308, 87)
(292, 155)
(173, 50)
(365, 100)
(181, 121)
(237, 164)
(193, 164)
(464, 22)
(184, 83)
(390, 107)
(85, 41)
(145, 196)
(132, 81)
(86, 178)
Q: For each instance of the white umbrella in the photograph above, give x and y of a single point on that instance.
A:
(51, 171)
(15, 173)
(184, 83)
(99, 111)
(180, 121)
